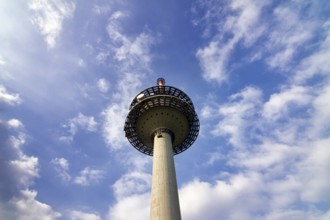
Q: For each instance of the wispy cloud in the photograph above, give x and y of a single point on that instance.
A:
(19, 169)
(132, 189)
(213, 158)
(79, 215)
(280, 139)
(9, 98)
(316, 63)
(223, 199)
(132, 183)
(244, 23)
(103, 85)
(311, 172)
(25, 167)
(83, 122)
(137, 204)
(237, 113)
(89, 176)
(27, 207)
(15, 123)
(115, 114)
(289, 31)
(49, 17)
(2, 61)
(281, 153)
(86, 177)
(321, 113)
(279, 104)
(228, 32)
(132, 58)
(101, 10)
(213, 60)
(62, 168)
(17, 173)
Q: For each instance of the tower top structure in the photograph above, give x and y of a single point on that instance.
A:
(161, 108)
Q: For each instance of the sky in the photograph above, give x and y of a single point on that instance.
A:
(258, 73)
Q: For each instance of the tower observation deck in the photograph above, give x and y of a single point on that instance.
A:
(162, 122)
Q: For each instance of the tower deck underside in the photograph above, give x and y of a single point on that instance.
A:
(162, 117)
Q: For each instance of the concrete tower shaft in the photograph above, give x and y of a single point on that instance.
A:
(164, 192)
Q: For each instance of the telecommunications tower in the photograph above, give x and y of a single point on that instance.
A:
(162, 122)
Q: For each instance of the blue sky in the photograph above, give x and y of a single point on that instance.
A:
(258, 73)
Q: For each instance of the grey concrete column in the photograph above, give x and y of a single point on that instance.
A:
(164, 193)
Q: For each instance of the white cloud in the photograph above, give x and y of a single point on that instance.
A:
(15, 123)
(285, 137)
(61, 162)
(269, 155)
(242, 107)
(213, 157)
(235, 199)
(20, 168)
(132, 189)
(115, 114)
(286, 141)
(27, 207)
(133, 55)
(317, 63)
(283, 35)
(214, 58)
(8, 98)
(295, 214)
(102, 56)
(103, 85)
(132, 52)
(280, 103)
(83, 122)
(81, 63)
(138, 49)
(49, 17)
(86, 177)
(89, 176)
(284, 166)
(17, 174)
(321, 113)
(2, 61)
(132, 183)
(312, 172)
(114, 27)
(100, 10)
(207, 112)
(289, 31)
(287, 157)
(272, 185)
(114, 118)
(247, 19)
(79, 215)
(138, 161)
(61, 166)
(138, 206)
(26, 167)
